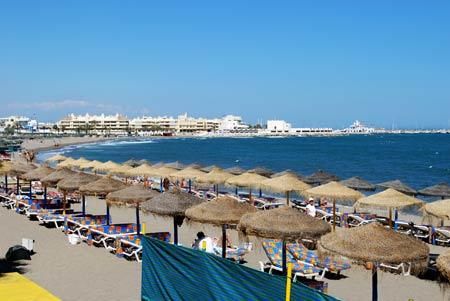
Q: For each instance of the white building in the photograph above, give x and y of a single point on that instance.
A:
(18, 123)
(278, 126)
(94, 123)
(154, 124)
(358, 128)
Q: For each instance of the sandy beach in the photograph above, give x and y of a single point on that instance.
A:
(41, 144)
(82, 272)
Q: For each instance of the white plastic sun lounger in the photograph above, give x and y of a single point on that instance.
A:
(400, 267)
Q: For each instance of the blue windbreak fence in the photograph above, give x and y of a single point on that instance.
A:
(178, 273)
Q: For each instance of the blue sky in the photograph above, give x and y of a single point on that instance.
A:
(315, 63)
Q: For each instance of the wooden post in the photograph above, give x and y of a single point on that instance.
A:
(17, 189)
(31, 192)
(6, 183)
(107, 214)
(138, 222)
(64, 203)
(217, 190)
(334, 215)
(287, 198)
(83, 204)
(374, 283)
(224, 241)
(175, 231)
(288, 281)
(45, 193)
(390, 218)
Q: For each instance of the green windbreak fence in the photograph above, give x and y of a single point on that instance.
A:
(178, 273)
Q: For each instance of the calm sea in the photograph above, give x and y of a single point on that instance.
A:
(418, 160)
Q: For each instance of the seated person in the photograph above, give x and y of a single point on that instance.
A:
(310, 209)
(203, 243)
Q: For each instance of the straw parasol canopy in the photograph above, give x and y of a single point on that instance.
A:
(195, 166)
(107, 166)
(132, 162)
(187, 173)
(236, 170)
(320, 177)
(439, 209)
(38, 173)
(399, 186)
(389, 198)
(262, 171)
(66, 163)
(80, 162)
(171, 203)
(163, 172)
(5, 167)
(334, 191)
(284, 223)
(375, 243)
(104, 185)
(247, 179)
(443, 264)
(442, 190)
(131, 195)
(74, 181)
(215, 176)
(284, 183)
(287, 172)
(175, 165)
(208, 168)
(20, 168)
(122, 170)
(220, 211)
(143, 170)
(57, 176)
(56, 158)
(358, 183)
(91, 164)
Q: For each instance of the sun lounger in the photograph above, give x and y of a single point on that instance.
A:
(236, 253)
(300, 252)
(358, 219)
(263, 204)
(80, 225)
(402, 227)
(403, 268)
(273, 250)
(442, 236)
(130, 246)
(34, 210)
(422, 232)
(8, 202)
(57, 218)
(105, 235)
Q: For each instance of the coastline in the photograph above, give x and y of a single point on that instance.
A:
(45, 144)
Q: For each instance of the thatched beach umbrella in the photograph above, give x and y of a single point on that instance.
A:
(438, 209)
(133, 163)
(18, 169)
(107, 166)
(262, 171)
(287, 172)
(122, 170)
(175, 165)
(163, 172)
(285, 184)
(68, 163)
(373, 243)
(57, 176)
(73, 183)
(443, 264)
(336, 192)
(143, 170)
(441, 190)
(320, 177)
(172, 203)
(190, 173)
(103, 186)
(399, 186)
(56, 158)
(236, 170)
(38, 174)
(221, 211)
(216, 176)
(248, 180)
(133, 195)
(80, 162)
(388, 199)
(208, 168)
(285, 223)
(90, 165)
(358, 183)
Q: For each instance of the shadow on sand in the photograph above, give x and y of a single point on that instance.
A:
(18, 266)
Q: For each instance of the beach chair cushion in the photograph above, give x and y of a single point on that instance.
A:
(300, 252)
(273, 249)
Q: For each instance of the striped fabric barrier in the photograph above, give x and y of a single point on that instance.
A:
(172, 272)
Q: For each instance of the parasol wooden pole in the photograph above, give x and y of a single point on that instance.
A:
(31, 192)
(64, 203)
(6, 183)
(45, 193)
(17, 189)
(175, 231)
(83, 200)
(138, 221)
(334, 215)
(287, 198)
(284, 255)
(107, 214)
(250, 196)
(224, 241)
(217, 190)
(288, 281)
(374, 283)
(190, 185)
(390, 218)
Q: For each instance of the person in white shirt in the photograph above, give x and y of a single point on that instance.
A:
(310, 209)
(203, 243)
